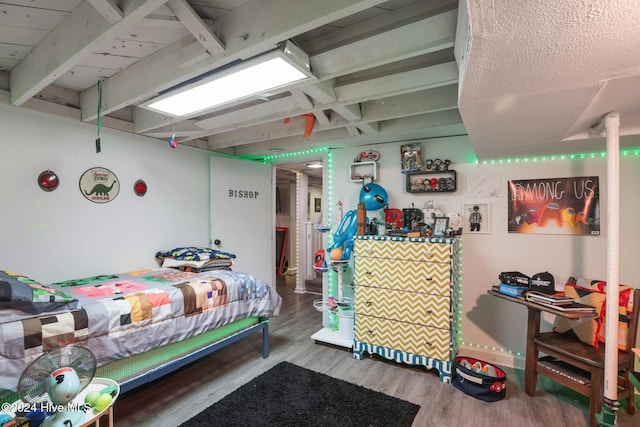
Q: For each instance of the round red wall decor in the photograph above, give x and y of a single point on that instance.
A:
(140, 188)
(48, 180)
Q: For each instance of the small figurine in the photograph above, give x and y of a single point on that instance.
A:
(428, 164)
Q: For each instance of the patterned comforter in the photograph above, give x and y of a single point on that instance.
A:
(120, 315)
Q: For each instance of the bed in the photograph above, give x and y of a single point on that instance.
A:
(140, 325)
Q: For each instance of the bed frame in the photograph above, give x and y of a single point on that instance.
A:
(134, 371)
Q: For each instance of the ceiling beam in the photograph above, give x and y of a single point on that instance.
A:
(369, 128)
(399, 83)
(322, 117)
(439, 37)
(244, 37)
(354, 132)
(436, 125)
(431, 101)
(108, 9)
(64, 111)
(412, 12)
(322, 92)
(383, 87)
(161, 21)
(348, 112)
(75, 38)
(196, 26)
(278, 109)
(418, 38)
(302, 99)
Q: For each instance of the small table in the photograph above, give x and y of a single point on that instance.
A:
(98, 384)
(90, 417)
(533, 330)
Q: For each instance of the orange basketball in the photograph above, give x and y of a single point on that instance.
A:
(336, 254)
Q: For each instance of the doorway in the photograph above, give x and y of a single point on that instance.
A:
(299, 205)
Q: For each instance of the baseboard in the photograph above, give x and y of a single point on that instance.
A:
(492, 356)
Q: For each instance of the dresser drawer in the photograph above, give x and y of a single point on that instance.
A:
(416, 276)
(411, 338)
(403, 249)
(412, 307)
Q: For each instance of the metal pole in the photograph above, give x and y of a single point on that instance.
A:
(610, 404)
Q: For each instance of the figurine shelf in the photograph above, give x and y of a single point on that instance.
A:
(443, 181)
(364, 171)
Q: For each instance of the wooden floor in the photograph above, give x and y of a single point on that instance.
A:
(175, 398)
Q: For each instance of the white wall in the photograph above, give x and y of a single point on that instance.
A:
(61, 235)
(492, 328)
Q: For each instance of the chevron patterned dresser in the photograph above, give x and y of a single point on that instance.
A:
(406, 300)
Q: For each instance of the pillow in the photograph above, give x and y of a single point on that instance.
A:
(586, 329)
(592, 330)
(30, 296)
(625, 309)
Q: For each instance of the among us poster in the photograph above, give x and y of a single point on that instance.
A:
(555, 206)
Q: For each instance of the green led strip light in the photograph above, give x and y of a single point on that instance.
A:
(458, 336)
(333, 281)
(486, 347)
(270, 159)
(580, 156)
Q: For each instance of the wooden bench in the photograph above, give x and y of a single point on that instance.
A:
(580, 366)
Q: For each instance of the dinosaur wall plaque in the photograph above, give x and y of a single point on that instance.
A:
(99, 185)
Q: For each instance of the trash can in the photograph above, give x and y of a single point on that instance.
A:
(345, 323)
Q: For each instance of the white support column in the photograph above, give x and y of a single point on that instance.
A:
(612, 127)
(302, 193)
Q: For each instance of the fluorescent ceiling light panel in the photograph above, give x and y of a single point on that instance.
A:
(273, 70)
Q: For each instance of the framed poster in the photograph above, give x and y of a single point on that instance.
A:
(555, 206)
(476, 217)
(317, 204)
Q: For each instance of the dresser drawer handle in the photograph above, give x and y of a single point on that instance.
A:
(428, 311)
(369, 331)
(428, 253)
(428, 279)
(352, 284)
(368, 273)
(428, 344)
(368, 303)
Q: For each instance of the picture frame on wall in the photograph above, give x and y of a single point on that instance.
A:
(476, 218)
(440, 225)
(317, 204)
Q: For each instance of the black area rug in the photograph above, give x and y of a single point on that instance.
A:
(289, 395)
